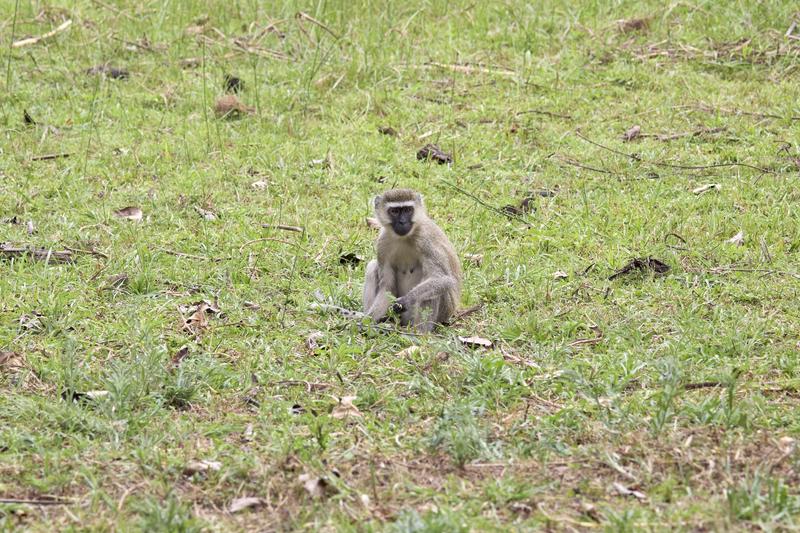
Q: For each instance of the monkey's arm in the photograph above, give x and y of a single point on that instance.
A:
(433, 287)
(386, 285)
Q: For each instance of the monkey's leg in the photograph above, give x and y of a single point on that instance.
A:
(376, 302)
(426, 320)
(371, 285)
(445, 307)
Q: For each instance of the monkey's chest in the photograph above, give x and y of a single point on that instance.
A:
(408, 275)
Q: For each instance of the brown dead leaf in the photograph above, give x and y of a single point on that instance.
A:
(345, 408)
(350, 258)
(190, 62)
(431, 152)
(205, 213)
(77, 396)
(117, 281)
(705, 188)
(641, 264)
(229, 106)
(326, 162)
(6, 357)
(388, 130)
(31, 322)
(408, 352)
(475, 259)
(476, 342)
(521, 509)
(179, 356)
(198, 315)
(635, 24)
(198, 27)
(737, 239)
(129, 213)
(590, 510)
(598, 337)
(313, 340)
(316, 487)
(249, 433)
(210, 307)
(197, 322)
(200, 467)
(115, 73)
(625, 491)
(233, 84)
(240, 504)
(259, 185)
(787, 444)
(632, 133)
(560, 274)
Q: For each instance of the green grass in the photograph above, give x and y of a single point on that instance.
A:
(583, 398)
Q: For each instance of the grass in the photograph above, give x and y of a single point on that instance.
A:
(652, 402)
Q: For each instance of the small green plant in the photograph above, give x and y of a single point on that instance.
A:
(670, 381)
(167, 515)
(763, 499)
(179, 390)
(460, 434)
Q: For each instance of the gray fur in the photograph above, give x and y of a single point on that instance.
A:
(420, 269)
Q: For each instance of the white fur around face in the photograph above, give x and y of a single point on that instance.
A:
(409, 203)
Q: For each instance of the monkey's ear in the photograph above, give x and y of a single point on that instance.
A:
(418, 197)
(376, 200)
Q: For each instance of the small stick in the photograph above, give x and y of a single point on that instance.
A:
(542, 112)
(702, 385)
(89, 252)
(632, 156)
(670, 165)
(711, 109)
(722, 270)
(673, 136)
(40, 254)
(33, 40)
(466, 312)
(310, 385)
(189, 256)
(47, 157)
(329, 308)
(114, 9)
(22, 501)
(717, 165)
(790, 32)
(586, 167)
(284, 227)
(305, 16)
(469, 69)
(484, 204)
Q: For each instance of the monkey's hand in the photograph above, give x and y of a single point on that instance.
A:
(395, 310)
(399, 306)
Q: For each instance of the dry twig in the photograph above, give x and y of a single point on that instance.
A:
(33, 40)
(284, 227)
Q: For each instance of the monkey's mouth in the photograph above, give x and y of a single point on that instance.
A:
(402, 228)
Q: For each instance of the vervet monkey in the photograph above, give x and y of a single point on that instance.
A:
(416, 263)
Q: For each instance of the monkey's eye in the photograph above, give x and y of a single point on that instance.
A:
(394, 211)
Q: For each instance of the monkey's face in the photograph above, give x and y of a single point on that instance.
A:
(397, 209)
(401, 218)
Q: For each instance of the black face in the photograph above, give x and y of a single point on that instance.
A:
(401, 219)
